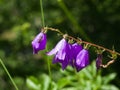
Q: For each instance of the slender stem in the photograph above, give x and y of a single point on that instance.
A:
(108, 63)
(43, 24)
(85, 42)
(48, 64)
(92, 44)
(9, 75)
(42, 14)
(49, 69)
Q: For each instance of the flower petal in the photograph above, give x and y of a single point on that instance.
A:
(82, 59)
(39, 43)
(53, 51)
(76, 48)
(99, 61)
(70, 52)
(60, 45)
(65, 63)
(61, 54)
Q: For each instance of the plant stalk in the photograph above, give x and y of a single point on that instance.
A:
(42, 14)
(8, 74)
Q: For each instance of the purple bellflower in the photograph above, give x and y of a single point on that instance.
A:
(82, 59)
(39, 43)
(75, 49)
(99, 61)
(61, 53)
(70, 54)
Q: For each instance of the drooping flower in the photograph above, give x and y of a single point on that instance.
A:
(70, 54)
(61, 53)
(39, 43)
(82, 59)
(99, 61)
(75, 49)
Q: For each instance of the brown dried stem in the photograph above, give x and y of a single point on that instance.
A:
(85, 42)
(108, 63)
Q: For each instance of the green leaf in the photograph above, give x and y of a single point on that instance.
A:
(108, 78)
(45, 81)
(109, 87)
(71, 88)
(33, 83)
(63, 82)
(53, 86)
(87, 73)
(98, 80)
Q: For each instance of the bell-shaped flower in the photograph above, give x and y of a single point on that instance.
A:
(63, 62)
(74, 50)
(82, 59)
(39, 43)
(70, 54)
(99, 61)
(61, 53)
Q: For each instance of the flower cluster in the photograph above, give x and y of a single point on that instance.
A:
(73, 54)
(65, 53)
(70, 54)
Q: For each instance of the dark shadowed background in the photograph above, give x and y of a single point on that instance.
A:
(97, 21)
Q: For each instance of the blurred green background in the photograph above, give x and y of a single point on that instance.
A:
(97, 21)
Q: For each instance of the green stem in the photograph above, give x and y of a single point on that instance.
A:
(9, 75)
(49, 69)
(42, 14)
(48, 64)
(43, 24)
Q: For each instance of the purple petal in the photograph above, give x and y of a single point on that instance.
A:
(76, 48)
(60, 45)
(61, 54)
(82, 59)
(70, 52)
(53, 51)
(39, 43)
(64, 62)
(99, 61)
(55, 60)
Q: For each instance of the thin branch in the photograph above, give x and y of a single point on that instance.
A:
(42, 13)
(108, 63)
(3, 65)
(85, 42)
